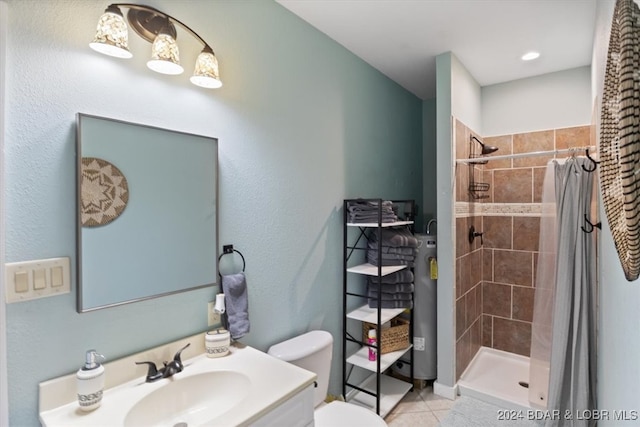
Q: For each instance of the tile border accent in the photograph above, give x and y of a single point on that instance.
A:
(471, 209)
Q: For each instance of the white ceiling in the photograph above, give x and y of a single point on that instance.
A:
(401, 38)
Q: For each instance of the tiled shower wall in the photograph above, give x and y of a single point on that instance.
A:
(468, 287)
(500, 300)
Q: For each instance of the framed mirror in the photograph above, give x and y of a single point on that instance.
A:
(146, 212)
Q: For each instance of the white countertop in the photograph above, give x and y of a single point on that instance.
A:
(272, 383)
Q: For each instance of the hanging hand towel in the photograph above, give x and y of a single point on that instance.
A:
(237, 303)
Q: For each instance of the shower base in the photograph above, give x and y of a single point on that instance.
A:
(497, 377)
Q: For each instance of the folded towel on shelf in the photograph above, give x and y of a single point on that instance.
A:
(390, 288)
(400, 250)
(396, 237)
(366, 206)
(400, 257)
(390, 259)
(237, 304)
(369, 211)
(402, 276)
(373, 303)
(384, 296)
(373, 217)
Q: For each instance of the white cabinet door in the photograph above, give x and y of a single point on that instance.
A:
(295, 412)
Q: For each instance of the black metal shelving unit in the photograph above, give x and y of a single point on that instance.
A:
(378, 392)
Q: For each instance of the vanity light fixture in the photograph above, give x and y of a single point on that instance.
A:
(159, 29)
(530, 56)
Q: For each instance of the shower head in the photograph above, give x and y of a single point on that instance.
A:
(486, 149)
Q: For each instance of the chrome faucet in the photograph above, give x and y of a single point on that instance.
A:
(168, 370)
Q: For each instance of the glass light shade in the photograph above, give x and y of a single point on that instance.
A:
(112, 37)
(206, 73)
(165, 58)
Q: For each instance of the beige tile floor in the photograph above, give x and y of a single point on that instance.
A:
(419, 408)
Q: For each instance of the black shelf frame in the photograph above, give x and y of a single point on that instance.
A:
(348, 251)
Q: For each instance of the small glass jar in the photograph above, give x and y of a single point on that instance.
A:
(217, 343)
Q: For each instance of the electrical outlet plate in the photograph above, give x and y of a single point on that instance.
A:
(212, 316)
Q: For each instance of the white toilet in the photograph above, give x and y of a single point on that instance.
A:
(313, 351)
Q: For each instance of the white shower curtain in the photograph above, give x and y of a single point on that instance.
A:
(544, 292)
(562, 372)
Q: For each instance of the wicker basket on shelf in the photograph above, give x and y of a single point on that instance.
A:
(393, 338)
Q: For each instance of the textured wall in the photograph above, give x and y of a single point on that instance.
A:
(458, 97)
(429, 164)
(551, 101)
(4, 392)
(301, 124)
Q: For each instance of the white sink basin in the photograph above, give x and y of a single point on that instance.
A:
(190, 401)
(240, 389)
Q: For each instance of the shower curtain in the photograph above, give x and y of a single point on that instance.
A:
(562, 372)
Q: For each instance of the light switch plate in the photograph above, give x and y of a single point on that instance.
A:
(39, 274)
(57, 276)
(21, 283)
(39, 279)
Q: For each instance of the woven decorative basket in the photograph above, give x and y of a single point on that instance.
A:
(104, 192)
(394, 338)
(619, 146)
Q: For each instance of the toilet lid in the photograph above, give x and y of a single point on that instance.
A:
(341, 414)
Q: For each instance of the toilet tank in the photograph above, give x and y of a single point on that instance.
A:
(311, 351)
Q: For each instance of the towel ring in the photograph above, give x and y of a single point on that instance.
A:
(228, 249)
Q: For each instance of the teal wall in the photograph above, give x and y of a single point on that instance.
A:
(4, 392)
(429, 164)
(302, 124)
(458, 95)
(446, 255)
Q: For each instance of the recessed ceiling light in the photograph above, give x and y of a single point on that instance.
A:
(529, 56)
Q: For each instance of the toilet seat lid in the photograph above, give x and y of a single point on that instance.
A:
(341, 414)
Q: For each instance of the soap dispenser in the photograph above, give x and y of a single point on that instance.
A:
(90, 379)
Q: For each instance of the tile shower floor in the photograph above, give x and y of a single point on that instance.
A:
(419, 408)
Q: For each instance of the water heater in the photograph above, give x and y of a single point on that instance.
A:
(424, 314)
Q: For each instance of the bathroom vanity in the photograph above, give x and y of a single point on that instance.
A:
(245, 388)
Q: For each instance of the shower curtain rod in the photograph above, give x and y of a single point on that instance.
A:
(484, 159)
